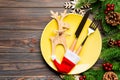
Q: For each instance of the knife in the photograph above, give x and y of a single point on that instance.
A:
(79, 29)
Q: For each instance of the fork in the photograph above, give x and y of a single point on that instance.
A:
(92, 28)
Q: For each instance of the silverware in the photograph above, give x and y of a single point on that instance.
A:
(93, 26)
(79, 29)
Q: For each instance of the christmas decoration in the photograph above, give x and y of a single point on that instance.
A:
(117, 43)
(109, 8)
(69, 60)
(71, 6)
(111, 57)
(94, 74)
(100, 9)
(82, 3)
(108, 12)
(112, 18)
(72, 77)
(107, 66)
(110, 54)
(116, 66)
(110, 76)
(112, 43)
(62, 27)
(83, 77)
(68, 77)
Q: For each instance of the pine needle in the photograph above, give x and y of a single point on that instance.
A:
(110, 54)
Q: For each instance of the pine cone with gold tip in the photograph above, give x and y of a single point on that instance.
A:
(113, 18)
(110, 76)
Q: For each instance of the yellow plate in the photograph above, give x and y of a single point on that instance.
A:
(89, 53)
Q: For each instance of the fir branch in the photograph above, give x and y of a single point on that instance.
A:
(117, 7)
(118, 27)
(116, 66)
(105, 40)
(84, 2)
(108, 28)
(68, 77)
(90, 77)
(110, 54)
(100, 74)
(80, 3)
(101, 16)
(102, 0)
(118, 74)
(94, 74)
(95, 9)
(115, 36)
(90, 72)
(99, 7)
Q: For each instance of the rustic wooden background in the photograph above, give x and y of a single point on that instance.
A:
(21, 25)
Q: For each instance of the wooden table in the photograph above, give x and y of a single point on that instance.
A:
(21, 25)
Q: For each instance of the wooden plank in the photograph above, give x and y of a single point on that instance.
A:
(26, 69)
(20, 57)
(25, 60)
(20, 45)
(32, 3)
(22, 69)
(35, 72)
(20, 40)
(33, 65)
(25, 18)
(26, 64)
(19, 34)
(23, 65)
(30, 78)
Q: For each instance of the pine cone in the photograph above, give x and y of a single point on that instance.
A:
(118, 16)
(110, 76)
(111, 42)
(112, 18)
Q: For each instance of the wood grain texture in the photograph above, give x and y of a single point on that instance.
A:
(26, 69)
(20, 57)
(22, 65)
(21, 26)
(32, 72)
(25, 18)
(31, 78)
(20, 40)
(32, 3)
(20, 34)
(25, 64)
